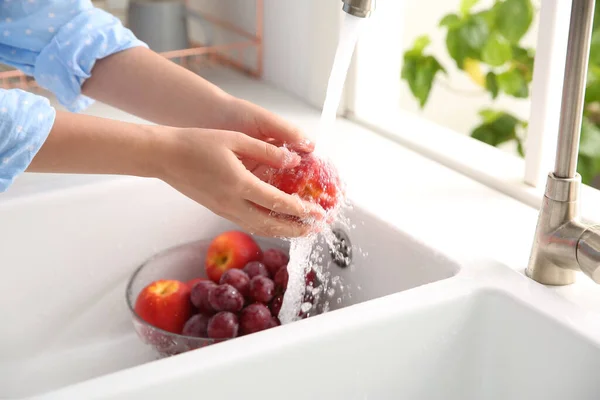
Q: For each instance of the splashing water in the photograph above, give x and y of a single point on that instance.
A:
(304, 256)
(349, 33)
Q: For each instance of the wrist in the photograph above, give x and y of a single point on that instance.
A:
(154, 151)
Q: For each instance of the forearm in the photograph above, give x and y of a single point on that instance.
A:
(144, 83)
(90, 145)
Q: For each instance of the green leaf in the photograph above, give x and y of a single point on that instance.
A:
(513, 19)
(498, 127)
(491, 84)
(466, 5)
(450, 20)
(467, 39)
(520, 148)
(502, 128)
(590, 139)
(592, 92)
(420, 44)
(523, 60)
(420, 71)
(595, 48)
(512, 82)
(489, 16)
(488, 115)
(497, 51)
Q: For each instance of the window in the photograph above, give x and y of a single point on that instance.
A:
(461, 99)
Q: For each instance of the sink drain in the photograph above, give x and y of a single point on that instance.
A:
(341, 252)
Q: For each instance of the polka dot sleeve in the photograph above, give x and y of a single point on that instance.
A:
(25, 122)
(58, 42)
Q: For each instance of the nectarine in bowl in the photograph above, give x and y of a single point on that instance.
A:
(208, 291)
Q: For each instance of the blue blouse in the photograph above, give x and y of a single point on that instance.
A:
(57, 42)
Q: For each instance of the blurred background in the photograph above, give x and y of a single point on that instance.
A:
(464, 64)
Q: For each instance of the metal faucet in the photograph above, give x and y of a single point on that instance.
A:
(359, 8)
(563, 243)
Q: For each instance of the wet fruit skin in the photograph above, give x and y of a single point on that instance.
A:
(274, 259)
(223, 325)
(281, 279)
(165, 304)
(262, 289)
(199, 296)
(254, 268)
(226, 298)
(254, 318)
(314, 180)
(238, 279)
(196, 326)
(232, 249)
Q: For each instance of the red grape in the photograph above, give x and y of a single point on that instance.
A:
(256, 317)
(223, 325)
(262, 289)
(196, 326)
(274, 322)
(199, 296)
(275, 305)
(281, 278)
(275, 259)
(238, 279)
(311, 278)
(226, 298)
(255, 268)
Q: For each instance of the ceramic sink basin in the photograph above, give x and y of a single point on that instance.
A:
(65, 319)
(466, 344)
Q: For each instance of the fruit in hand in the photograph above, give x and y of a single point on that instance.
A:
(199, 296)
(254, 268)
(256, 317)
(262, 289)
(196, 326)
(314, 179)
(226, 298)
(165, 304)
(233, 249)
(223, 325)
(238, 279)
(274, 259)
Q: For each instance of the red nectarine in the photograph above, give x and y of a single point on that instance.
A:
(314, 179)
(233, 249)
(165, 304)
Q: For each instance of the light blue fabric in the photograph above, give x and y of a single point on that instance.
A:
(58, 43)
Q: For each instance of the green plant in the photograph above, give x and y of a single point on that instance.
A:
(486, 45)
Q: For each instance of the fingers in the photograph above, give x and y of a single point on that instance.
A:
(271, 198)
(262, 223)
(263, 152)
(270, 125)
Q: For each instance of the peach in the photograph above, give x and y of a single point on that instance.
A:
(165, 304)
(233, 249)
(314, 179)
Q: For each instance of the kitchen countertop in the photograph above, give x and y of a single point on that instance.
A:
(436, 204)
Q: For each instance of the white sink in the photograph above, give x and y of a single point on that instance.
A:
(447, 340)
(69, 256)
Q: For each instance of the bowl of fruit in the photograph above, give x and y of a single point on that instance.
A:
(208, 291)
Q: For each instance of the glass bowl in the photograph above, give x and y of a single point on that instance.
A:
(183, 263)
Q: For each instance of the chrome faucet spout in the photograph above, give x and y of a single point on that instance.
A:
(359, 8)
(563, 244)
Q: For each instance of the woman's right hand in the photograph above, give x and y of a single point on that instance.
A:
(208, 167)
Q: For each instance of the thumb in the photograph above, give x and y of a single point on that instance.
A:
(263, 152)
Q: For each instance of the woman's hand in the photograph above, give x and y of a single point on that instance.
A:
(208, 166)
(205, 165)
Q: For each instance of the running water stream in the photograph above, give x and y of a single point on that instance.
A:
(302, 250)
